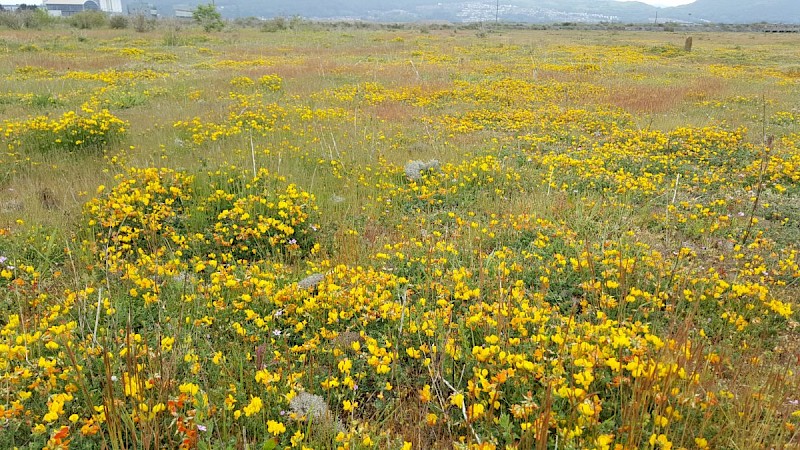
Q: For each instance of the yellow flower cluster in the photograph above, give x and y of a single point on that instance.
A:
(141, 211)
(164, 209)
(115, 77)
(271, 82)
(252, 113)
(73, 131)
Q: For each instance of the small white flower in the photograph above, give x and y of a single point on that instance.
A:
(309, 405)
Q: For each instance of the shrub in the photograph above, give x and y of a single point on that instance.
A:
(118, 22)
(10, 20)
(208, 17)
(276, 24)
(142, 23)
(295, 22)
(88, 20)
(37, 18)
(27, 18)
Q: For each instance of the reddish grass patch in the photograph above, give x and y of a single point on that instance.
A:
(659, 99)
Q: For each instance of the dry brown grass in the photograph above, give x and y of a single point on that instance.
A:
(66, 62)
(660, 99)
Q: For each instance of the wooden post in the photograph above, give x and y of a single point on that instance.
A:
(688, 45)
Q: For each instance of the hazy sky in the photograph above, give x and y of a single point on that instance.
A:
(662, 2)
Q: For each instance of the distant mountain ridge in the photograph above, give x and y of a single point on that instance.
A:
(534, 11)
(774, 11)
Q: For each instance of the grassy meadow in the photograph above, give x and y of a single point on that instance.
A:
(352, 237)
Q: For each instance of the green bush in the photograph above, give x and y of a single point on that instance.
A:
(28, 18)
(276, 24)
(37, 18)
(142, 23)
(88, 20)
(208, 17)
(10, 20)
(118, 22)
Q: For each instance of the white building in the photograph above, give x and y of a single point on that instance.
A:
(183, 11)
(70, 7)
(112, 6)
(67, 8)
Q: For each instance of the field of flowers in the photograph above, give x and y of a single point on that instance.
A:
(354, 238)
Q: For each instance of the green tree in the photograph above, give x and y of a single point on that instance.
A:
(208, 17)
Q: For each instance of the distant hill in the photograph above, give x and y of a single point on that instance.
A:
(535, 11)
(780, 11)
